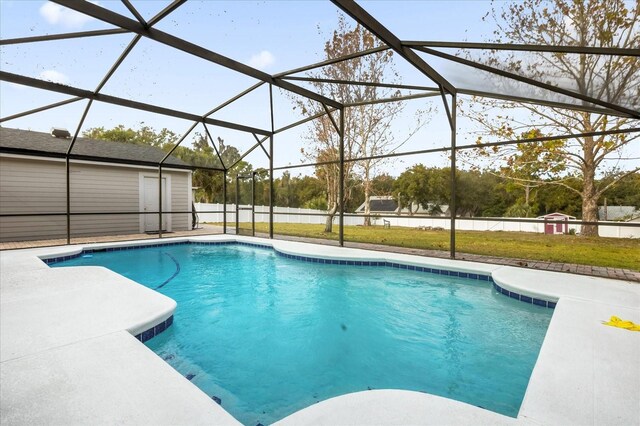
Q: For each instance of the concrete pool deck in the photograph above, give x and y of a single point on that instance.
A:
(68, 355)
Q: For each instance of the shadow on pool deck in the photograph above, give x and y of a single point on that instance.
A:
(206, 229)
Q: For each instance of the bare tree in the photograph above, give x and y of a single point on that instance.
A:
(615, 79)
(367, 127)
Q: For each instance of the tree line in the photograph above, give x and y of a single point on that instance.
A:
(478, 193)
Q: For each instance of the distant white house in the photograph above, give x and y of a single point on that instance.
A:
(387, 205)
(619, 213)
(33, 180)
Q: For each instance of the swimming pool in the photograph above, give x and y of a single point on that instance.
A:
(269, 335)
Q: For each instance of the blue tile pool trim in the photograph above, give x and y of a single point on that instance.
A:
(52, 260)
(523, 298)
(155, 330)
(468, 275)
(387, 265)
(445, 272)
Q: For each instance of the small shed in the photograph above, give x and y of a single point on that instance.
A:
(556, 223)
(108, 188)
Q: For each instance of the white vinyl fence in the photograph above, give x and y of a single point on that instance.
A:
(295, 215)
(299, 215)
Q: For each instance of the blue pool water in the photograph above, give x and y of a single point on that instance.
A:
(269, 335)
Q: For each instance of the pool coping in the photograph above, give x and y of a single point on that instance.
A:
(584, 295)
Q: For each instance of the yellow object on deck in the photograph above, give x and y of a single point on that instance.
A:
(620, 323)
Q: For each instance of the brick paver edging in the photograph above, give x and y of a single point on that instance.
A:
(595, 271)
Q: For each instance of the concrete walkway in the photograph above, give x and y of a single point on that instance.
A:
(206, 229)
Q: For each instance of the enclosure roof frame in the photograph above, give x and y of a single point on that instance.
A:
(359, 14)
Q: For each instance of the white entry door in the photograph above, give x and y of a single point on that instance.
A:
(150, 189)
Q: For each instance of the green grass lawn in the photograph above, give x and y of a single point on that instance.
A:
(610, 252)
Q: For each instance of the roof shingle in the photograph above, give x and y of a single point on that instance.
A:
(44, 142)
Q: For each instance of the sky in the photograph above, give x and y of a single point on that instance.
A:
(273, 36)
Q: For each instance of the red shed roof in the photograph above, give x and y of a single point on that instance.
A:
(556, 215)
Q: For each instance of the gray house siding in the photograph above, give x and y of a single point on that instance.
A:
(181, 200)
(103, 189)
(38, 186)
(32, 187)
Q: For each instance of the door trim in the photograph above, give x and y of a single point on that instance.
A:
(166, 201)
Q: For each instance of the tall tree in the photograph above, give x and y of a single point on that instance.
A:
(616, 79)
(285, 191)
(558, 198)
(310, 193)
(626, 192)
(383, 184)
(422, 186)
(209, 182)
(145, 135)
(367, 127)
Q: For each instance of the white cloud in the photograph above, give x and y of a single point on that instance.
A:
(54, 76)
(56, 14)
(262, 60)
